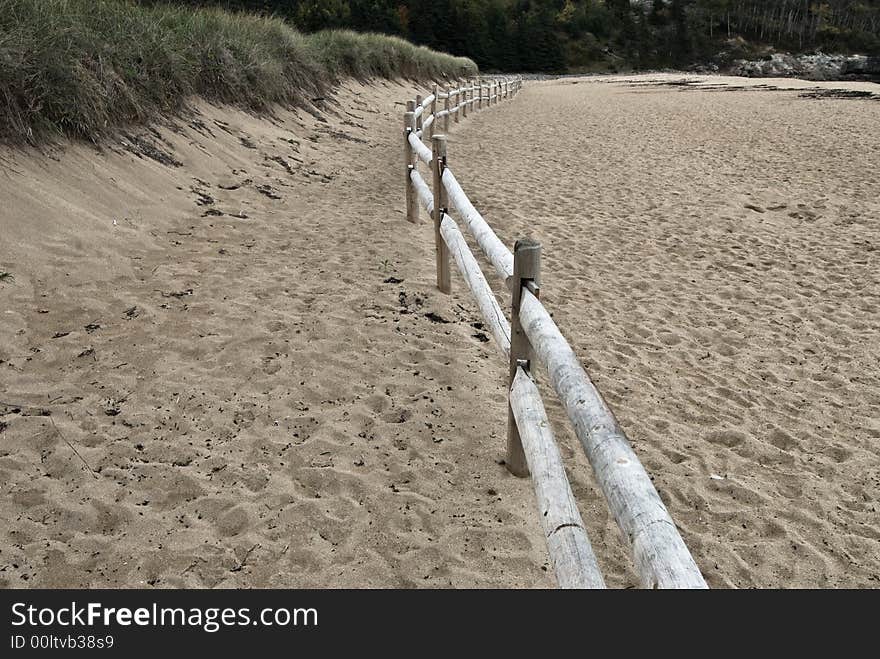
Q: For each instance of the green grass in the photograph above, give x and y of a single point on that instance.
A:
(82, 68)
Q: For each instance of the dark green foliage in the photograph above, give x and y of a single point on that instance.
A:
(552, 35)
(81, 67)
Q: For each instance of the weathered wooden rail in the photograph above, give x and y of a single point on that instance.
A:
(659, 554)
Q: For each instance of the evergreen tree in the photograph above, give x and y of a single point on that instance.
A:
(547, 35)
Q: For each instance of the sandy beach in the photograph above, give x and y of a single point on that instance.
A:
(224, 361)
(711, 250)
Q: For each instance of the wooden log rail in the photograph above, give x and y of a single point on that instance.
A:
(469, 268)
(419, 148)
(574, 562)
(494, 249)
(479, 287)
(659, 554)
(661, 558)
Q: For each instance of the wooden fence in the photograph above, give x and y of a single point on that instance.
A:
(531, 337)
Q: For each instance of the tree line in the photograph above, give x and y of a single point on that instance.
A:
(585, 35)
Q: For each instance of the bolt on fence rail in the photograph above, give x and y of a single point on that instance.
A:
(660, 556)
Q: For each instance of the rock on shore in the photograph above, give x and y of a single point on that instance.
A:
(814, 67)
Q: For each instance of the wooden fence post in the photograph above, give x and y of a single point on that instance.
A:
(479, 101)
(464, 101)
(421, 116)
(458, 101)
(445, 109)
(438, 164)
(434, 104)
(526, 272)
(409, 161)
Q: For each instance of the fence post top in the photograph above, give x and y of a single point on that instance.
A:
(410, 106)
(526, 267)
(526, 244)
(438, 149)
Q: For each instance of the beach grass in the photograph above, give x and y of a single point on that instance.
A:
(83, 68)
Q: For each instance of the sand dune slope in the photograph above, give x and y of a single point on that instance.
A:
(216, 367)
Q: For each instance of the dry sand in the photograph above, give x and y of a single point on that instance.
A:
(713, 255)
(260, 403)
(259, 407)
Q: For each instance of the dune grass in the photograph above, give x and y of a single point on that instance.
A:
(82, 68)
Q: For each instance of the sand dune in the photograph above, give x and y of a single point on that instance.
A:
(238, 347)
(217, 367)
